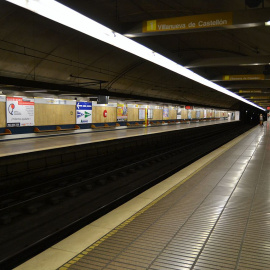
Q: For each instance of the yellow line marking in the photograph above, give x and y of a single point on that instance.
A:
(126, 222)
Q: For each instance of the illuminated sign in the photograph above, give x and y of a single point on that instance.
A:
(189, 107)
(252, 77)
(188, 22)
(260, 97)
(249, 91)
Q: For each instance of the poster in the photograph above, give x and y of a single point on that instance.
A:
(83, 112)
(141, 114)
(179, 113)
(165, 113)
(150, 113)
(20, 111)
(189, 114)
(198, 113)
(121, 112)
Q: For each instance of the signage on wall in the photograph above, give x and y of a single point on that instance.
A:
(20, 111)
(121, 112)
(178, 113)
(165, 112)
(83, 112)
(2, 98)
(268, 108)
(141, 114)
(189, 107)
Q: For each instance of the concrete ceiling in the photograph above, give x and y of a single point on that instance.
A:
(40, 54)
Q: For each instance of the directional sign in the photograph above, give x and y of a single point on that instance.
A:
(84, 112)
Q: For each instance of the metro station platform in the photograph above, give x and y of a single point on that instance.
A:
(214, 214)
(27, 143)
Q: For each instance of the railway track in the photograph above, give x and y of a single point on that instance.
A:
(37, 216)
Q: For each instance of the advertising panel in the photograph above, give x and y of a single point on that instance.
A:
(121, 112)
(20, 111)
(165, 113)
(150, 113)
(179, 113)
(83, 112)
(141, 114)
(189, 114)
(198, 113)
(2, 98)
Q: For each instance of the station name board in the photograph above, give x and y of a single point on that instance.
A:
(188, 22)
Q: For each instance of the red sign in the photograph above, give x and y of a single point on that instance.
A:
(268, 108)
(189, 107)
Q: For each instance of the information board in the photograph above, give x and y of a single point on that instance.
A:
(83, 112)
(141, 114)
(20, 111)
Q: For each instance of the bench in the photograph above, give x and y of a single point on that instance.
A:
(58, 128)
(105, 126)
(134, 125)
(7, 132)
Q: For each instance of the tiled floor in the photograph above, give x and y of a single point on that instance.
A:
(25, 143)
(215, 215)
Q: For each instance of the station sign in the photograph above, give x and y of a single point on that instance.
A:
(251, 77)
(189, 107)
(249, 91)
(188, 22)
(260, 97)
(20, 111)
(83, 112)
(268, 108)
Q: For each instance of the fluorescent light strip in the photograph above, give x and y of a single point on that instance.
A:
(60, 13)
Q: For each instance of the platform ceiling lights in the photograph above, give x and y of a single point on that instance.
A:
(60, 13)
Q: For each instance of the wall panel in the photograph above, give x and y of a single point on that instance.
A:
(133, 114)
(54, 114)
(184, 114)
(157, 114)
(3, 121)
(172, 114)
(98, 114)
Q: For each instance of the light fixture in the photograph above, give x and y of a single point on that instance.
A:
(62, 14)
(267, 23)
(36, 91)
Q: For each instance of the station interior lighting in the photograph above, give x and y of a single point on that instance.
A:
(62, 14)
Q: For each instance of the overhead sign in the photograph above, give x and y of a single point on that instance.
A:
(189, 107)
(188, 22)
(249, 91)
(83, 112)
(251, 77)
(260, 97)
(20, 111)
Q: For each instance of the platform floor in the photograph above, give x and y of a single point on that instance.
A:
(214, 214)
(26, 143)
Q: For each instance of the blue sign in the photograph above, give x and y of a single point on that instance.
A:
(84, 112)
(84, 106)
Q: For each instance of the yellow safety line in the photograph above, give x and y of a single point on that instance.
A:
(126, 222)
